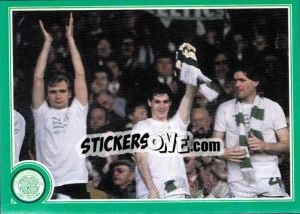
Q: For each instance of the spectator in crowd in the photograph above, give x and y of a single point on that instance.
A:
(128, 57)
(275, 84)
(114, 110)
(261, 46)
(165, 74)
(57, 67)
(136, 113)
(222, 77)
(123, 180)
(98, 121)
(150, 33)
(99, 54)
(102, 165)
(104, 82)
(164, 67)
(58, 46)
(93, 28)
(213, 178)
(134, 73)
(192, 174)
(117, 84)
(208, 47)
(220, 71)
(201, 123)
(240, 53)
(104, 50)
(99, 82)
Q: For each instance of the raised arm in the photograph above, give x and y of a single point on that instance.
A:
(191, 75)
(38, 91)
(186, 103)
(80, 87)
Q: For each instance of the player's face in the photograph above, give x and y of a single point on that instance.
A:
(245, 87)
(160, 105)
(122, 176)
(58, 95)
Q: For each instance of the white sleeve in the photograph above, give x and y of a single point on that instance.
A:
(76, 104)
(178, 122)
(81, 110)
(140, 128)
(19, 132)
(37, 112)
(279, 120)
(220, 119)
(40, 113)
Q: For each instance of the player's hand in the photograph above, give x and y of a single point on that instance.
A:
(189, 51)
(190, 74)
(184, 51)
(234, 154)
(69, 27)
(47, 36)
(256, 144)
(153, 194)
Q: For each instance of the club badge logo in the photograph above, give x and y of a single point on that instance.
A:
(28, 185)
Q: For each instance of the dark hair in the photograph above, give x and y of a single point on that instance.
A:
(103, 69)
(160, 89)
(129, 35)
(221, 51)
(164, 54)
(130, 108)
(56, 78)
(250, 72)
(95, 106)
(103, 37)
(125, 162)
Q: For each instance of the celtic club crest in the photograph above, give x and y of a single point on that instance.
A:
(28, 185)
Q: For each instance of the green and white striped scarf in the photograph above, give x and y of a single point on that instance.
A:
(256, 119)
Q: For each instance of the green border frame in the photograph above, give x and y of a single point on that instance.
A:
(129, 206)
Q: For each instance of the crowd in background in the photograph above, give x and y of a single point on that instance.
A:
(126, 51)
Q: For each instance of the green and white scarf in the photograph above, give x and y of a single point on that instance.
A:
(256, 119)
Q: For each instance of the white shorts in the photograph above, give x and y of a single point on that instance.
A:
(264, 187)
